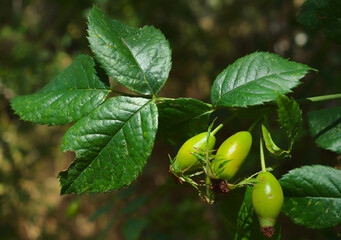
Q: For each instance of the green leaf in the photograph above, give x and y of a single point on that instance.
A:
(112, 145)
(247, 223)
(255, 79)
(275, 151)
(68, 97)
(313, 196)
(182, 118)
(324, 15)
(139, 59)
(325, 127)
(289, 116)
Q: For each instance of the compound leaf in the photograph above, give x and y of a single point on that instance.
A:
(313, 196)
(139, 59)
(325, 127)
(68, 97)
(255, 79)
(182, 118)
(112, 145)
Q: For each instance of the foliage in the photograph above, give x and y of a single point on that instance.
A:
(141, 62)
(325, 128)
(182, 118)
(313, 196)
(256, 79)
(73, 94)
(112, 147)
(139, 59)
(323, 15)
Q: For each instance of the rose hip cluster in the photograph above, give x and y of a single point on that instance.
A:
(196, 154)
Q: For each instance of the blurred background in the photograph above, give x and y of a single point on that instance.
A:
(38, 39)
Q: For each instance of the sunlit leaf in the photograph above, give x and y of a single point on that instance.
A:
(139, 59)
(112, 145)
(255, 79)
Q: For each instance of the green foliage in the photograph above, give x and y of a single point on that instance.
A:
(139, 59)
(71, 95)
(289, 116)
(255, 79)
(112, 144)
(182, 118)
(324, 15)
(290, 119)
(114, 139)
(313, 196)
(273, 149)
(325, 127)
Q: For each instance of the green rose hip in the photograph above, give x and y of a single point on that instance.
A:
(231, 154)
(185, 160)
(267, 200)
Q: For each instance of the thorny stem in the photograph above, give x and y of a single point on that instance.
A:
(262, 160)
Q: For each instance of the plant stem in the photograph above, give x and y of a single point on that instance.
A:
(209, 194)
(319, 98)
(128, 94)
(262, 159)
(222, 124)
(163, 98)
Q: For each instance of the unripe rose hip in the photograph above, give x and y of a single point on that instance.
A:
(185, 160)
(231, 154)
(267, 200)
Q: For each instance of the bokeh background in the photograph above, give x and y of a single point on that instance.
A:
(38, 39)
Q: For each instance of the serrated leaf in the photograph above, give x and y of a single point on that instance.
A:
(68, 97)
(289, 116)
(112, 145)
(139, 59)
(182, 118)
(247, 224)
(313, 196)
(255, 79)
(325, 127)
(273, 149)
(324, 15)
